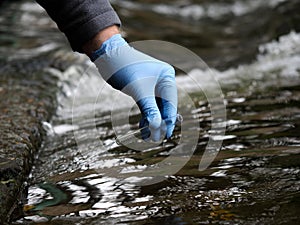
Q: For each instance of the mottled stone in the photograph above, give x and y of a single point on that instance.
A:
(26, 100)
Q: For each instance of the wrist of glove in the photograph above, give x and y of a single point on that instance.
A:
(150, 82)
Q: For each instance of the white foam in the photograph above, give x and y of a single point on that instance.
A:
(64, 128)
(213, 10)
(31, 7)
(277, 59)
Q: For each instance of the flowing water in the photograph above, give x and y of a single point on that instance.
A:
(254, 178)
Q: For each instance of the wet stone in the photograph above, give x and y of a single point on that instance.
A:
(22, 109)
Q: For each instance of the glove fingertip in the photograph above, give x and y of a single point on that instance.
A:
(170, 130)
(154, 122)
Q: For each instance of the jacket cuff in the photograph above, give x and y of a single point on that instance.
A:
(85, 32)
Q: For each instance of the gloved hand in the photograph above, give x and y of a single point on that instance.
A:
(150, 82)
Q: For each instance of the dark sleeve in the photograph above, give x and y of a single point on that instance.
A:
(80, 20)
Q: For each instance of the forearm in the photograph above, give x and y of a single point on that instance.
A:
(82, 21)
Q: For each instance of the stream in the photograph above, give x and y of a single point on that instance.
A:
(81, 176)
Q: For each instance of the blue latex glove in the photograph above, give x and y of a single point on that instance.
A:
(150, 82)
